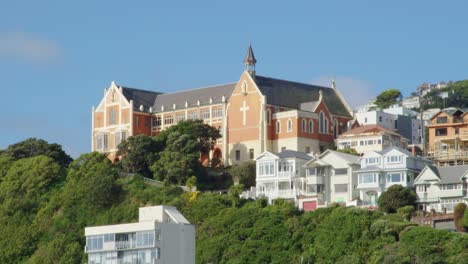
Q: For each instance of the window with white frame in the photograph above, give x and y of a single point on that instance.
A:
(180, 117)
(278, 127)
(310, 171)
(117, 138)
(452, 186)
(156, 121)
(367, 178)
(304, 125)
(311, 126)
(266, 168)
(421, 188)
(394, 159)
(168, 119)
(112, 120)
(205, 114)
(394, 177)
(372, 160)
(290, 125)
(217, 112)
(102, 141)
(192, 115)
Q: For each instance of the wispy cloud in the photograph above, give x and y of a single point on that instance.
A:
(27, 47)
(355, 91)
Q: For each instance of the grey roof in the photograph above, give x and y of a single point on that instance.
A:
(293, 154)
(369, 168)
(250, 57)
(451, 110)
(450, 174)
(388, 149)
(191, 96)
(140, 97)
(348, 157)
(293, 94)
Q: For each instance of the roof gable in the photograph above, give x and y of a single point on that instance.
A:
(426, 175)
(267, 156)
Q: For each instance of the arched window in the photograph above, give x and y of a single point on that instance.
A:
(311, 126)
(268, 117)
(321, 123)
(335, 128)
(278, 127)
(325, 130)
(289, 125)
(304, 125)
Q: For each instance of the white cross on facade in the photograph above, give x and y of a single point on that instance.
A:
(244, 110)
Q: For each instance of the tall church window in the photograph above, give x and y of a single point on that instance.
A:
(304, 125)
(289, 125)
(321, 123)
(268, 118)
(325, 129)
(112, 117)
(311, 126)
(335, 128)
(278, 127)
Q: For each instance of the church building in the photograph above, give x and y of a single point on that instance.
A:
(254, 114)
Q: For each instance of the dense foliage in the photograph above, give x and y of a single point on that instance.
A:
(396, 196)
(243, 173)
(458, 215)
(457, 93)
(44, 207)
(387, 98)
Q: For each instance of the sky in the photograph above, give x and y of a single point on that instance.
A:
(57, 57)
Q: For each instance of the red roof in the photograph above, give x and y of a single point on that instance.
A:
(369, 129)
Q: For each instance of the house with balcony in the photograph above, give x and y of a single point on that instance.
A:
(382, 169)
(441, 188)
(162, 235)
(329, 177)
(448, 137)
(279, 175)
(367, 138)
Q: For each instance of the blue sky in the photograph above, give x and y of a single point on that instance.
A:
(56, 57)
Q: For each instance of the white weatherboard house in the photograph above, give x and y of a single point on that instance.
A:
(329, 177)
(380, 170)
(162, 235)
(441, 187)
(280, 175)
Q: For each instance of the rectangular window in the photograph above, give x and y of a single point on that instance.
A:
(373, 160)
(251, 154)
(137, 121)
(99, 141)
(237, 155)
(367, 178)
(193, 115)
(314, 188)
(370, 142)
(394, 177)
(380, 119)
(109, 237)
(168, 119)
(441, 120)
(311, 171)
(307, 149)
(180, 117)
(217, 112)
(396, 124)
(343, 171)
(105, 141)
(205, 114)
(339, 188)
(117, 139)
(157, 121)
(441, 132)
(394, 159)
(112, 116)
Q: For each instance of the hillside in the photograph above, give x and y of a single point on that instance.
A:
(457, 96)
(46, 202)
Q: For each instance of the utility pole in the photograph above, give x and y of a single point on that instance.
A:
(423, 141)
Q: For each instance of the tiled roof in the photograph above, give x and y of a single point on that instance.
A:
(293, 154)
(369, 129)
(293, 94)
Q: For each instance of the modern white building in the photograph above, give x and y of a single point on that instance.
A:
(380, 170)
(161, 236)
(370, 138)
(411, 102)
(441, 187)
(329, 177)
(280, 175)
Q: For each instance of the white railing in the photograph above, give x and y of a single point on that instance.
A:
(368, 185)
(285, 174)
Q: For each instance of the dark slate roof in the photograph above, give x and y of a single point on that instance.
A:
(451, 110)
(450, 174)
(250, 57)
(191, 96)
(293, 154)
(140, 97)
(293, 94)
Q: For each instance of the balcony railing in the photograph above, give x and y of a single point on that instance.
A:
(285, 174)
(448, 155)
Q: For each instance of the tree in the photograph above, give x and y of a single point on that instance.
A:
(351, 151)
(458, 215)
(32, 147)
(234, 193)
(206, 135)
(138, 154)
(179, 159)
(406, 212)
(465, 219)
(244, 173)
(396, 196)
(387, 98)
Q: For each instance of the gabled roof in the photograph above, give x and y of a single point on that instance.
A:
(293, 154)
(450, 174)
(348, 157)
(293, 94)
(388, 149)
(140, 97)
(369, 129)
(216, 93)
(451, 111)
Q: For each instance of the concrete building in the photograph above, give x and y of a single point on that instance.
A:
(370, 138)
(411, 102)
(441, 188)
(254, 114)
(161, 236)
(382, 169)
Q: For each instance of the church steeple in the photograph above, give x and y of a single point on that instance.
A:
(250, 61)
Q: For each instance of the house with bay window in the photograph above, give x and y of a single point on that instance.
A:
(441, 188)
(382, 169)
(280, 175)
(162, 235)
(330, 177)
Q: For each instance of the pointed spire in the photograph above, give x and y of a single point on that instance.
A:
(250, 61)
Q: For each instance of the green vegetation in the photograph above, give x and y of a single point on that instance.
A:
(387, 98)
(351, 151)
(396, 196)
(45, 205)
(243, 173)
(457, 96)
(458, 215)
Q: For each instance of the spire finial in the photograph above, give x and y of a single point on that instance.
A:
(333, 83)
(250, 61)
